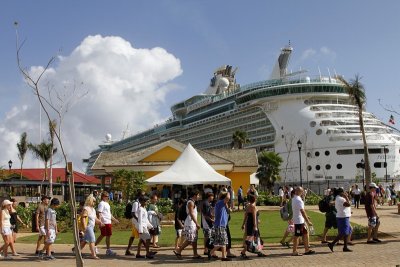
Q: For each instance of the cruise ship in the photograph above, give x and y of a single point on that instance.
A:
(276, 114)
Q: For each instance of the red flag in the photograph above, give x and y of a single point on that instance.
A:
(391, 119)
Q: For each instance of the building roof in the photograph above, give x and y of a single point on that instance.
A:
(233, 157)
(58, 175)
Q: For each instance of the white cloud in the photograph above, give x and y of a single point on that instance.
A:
(124, 85)
(307, 54)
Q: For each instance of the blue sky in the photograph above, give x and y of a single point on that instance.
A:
(196, 37)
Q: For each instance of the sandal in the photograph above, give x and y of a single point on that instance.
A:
(197, 257)
(297, 254)
(243, 256)
(178, 255)
(310, 252)
(95, 258)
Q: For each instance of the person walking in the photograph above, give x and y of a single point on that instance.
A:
(250, 225)
(290, 227)
(300, 218)
(220, 235)
(88, 221)
(357, 196)
(143, 226)
(14, 221)
(178, 224)
(134, 233)
(5, 228)
(40, 214)
(373, 218)
(207, 218)
(240, 197)
(105, 216)
(155, 218)
(51, 228)
(191, 227)
(343, 208)
(330, 216)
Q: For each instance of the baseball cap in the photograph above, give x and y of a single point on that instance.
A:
(7, 202)
(373, 185)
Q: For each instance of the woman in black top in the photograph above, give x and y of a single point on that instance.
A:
(15, 219)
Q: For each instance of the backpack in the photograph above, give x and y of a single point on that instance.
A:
(323, 205)
(128, 211)
(182, 214)
(284, 211)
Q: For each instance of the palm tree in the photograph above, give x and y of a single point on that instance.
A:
(44, 152)
(268, 170)
(357, 96)
(239, 139)
(22, 149)
(52, 129)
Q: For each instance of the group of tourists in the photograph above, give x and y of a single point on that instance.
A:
(215, 214)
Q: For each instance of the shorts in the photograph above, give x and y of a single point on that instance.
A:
(373, 221)
(207, 233)
(135, 233)
(42, 231)
(145, 235)
(89, 236)
(106, 230)
(331, 222)
(343, 225)
(51, 238)
(178, 232)
(14, 228)
(290, 228)
(300, 229)
(190, 233)
(220, 236)
(6, 231)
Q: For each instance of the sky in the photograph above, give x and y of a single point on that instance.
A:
(120, 65)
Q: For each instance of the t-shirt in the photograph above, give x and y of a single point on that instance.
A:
(206, 210)
(91, 216)
(221, 214)
(51, 216)
(105, 210)
(342, 211)
(369, 204)
(297, 205)
(135, 208)
(356, 191)
(41, 210)
(281, 192)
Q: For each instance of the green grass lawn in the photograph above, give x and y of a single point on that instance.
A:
(272, 228)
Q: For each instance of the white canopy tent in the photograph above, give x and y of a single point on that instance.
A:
(253, 179)
(189, 169)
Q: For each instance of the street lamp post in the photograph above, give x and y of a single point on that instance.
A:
(10, 164)
(384, 151)
(299, 147)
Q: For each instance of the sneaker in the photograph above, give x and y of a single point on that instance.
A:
(96, 250)
(50, 258)
(109, 252)
(377, 240)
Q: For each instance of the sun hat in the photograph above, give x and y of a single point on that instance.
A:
(372, 185)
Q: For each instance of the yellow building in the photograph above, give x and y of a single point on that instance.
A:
(236, 164)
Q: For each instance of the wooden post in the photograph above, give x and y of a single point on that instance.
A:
(70, 176)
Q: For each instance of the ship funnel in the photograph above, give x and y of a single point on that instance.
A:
(280, 69)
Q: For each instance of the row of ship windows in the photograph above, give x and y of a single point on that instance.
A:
(350, 151)
(340, 166)
(326, 101)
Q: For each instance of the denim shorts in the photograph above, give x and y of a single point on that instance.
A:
(89, 235)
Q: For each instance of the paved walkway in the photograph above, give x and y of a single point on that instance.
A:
(383, 254)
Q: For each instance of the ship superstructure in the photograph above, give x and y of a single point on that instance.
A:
(275, 114)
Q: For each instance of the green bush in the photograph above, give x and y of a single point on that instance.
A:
(313, 199)
(271, 200)
(165, 205)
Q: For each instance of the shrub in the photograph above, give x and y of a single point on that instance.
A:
(165, 205)
(313, 199)
(271, 200)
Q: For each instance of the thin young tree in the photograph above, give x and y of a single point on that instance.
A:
(22, 149)
(56, 103)
(355, 90)
(52, 129)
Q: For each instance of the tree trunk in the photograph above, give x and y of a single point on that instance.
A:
(77, 246)
(366, 154)
(51, 175)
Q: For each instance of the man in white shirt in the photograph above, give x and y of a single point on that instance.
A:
(357, 195)
(105, 216)
(300, 218)
(342, 205)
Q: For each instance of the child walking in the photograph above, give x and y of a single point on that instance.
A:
(51, 227)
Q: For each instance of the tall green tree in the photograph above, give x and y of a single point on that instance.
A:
(356, 92)
(239, 139)
(128, 182)
(22, 149)
(268, 170)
